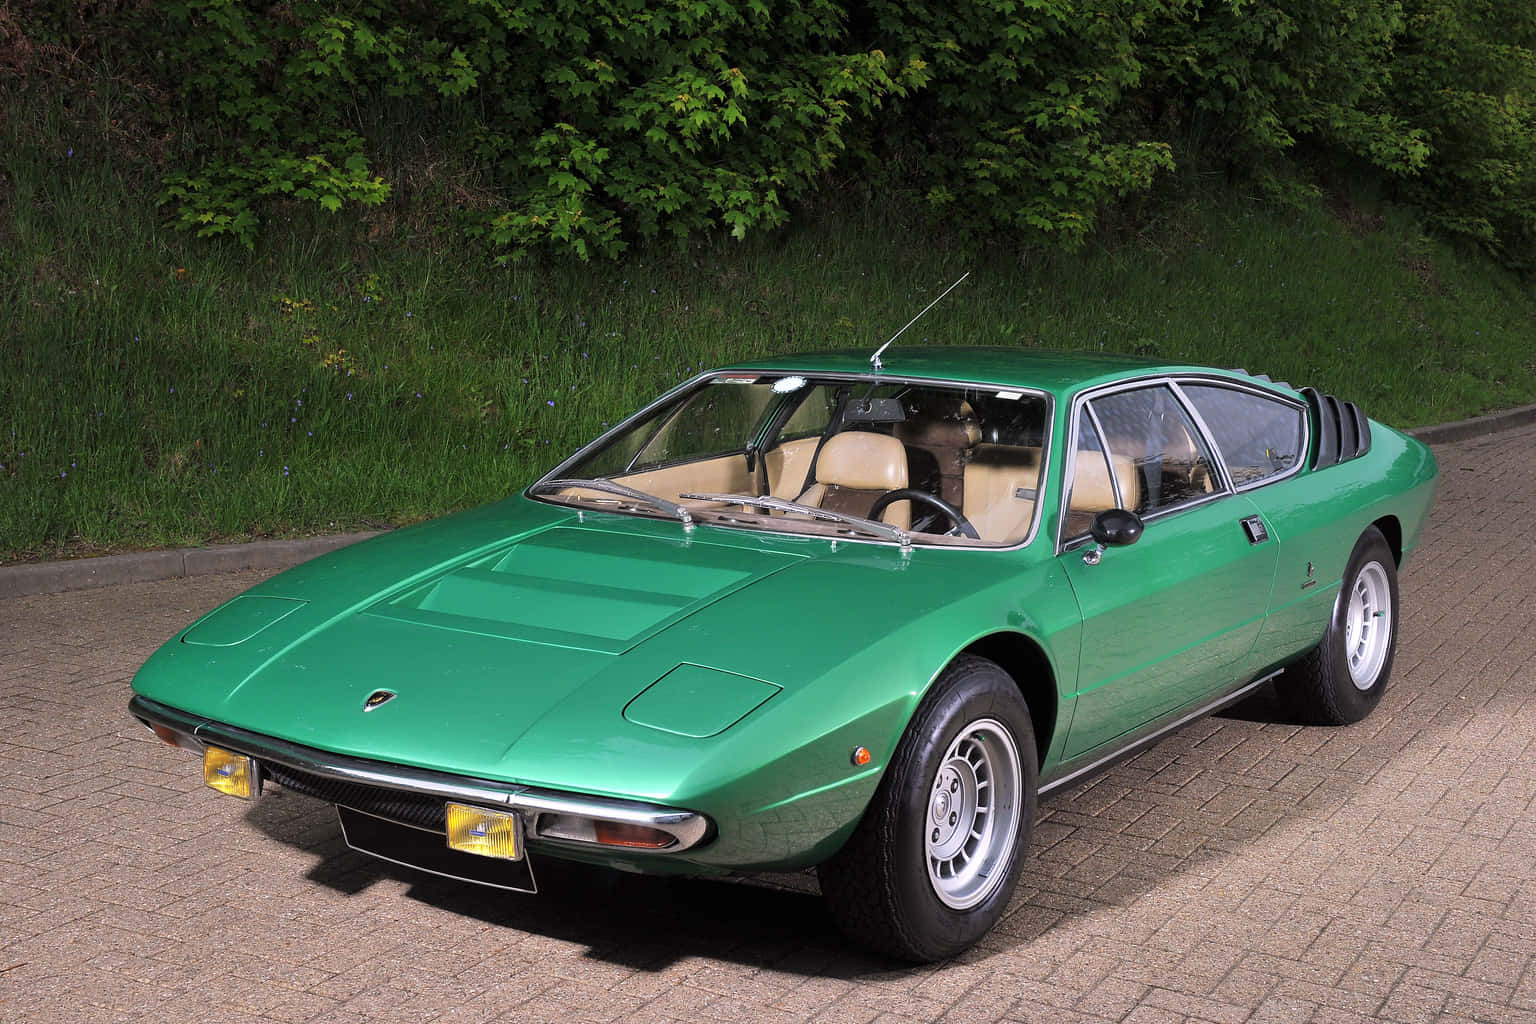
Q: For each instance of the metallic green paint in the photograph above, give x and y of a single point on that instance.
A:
(731, 672)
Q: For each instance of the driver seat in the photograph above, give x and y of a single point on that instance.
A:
(856, 467)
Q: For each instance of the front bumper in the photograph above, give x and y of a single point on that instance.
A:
(417, 797)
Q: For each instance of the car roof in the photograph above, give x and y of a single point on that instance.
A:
(1061, 373)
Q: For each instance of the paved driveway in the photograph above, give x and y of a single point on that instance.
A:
(1244, 870)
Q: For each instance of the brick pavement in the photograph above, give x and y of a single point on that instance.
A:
(1246, 870)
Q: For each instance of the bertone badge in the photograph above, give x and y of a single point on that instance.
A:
(378, 698)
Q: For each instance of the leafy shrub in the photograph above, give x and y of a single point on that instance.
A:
(1465, 74)
(595, 123)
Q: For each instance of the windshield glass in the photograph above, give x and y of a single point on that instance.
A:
(937, 463)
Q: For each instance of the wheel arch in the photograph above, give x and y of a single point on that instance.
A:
(1392, 530)
(1026, 663)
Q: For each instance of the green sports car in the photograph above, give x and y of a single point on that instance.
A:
(813, 611)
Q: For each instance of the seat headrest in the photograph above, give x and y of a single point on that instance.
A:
(1091, 487)
(863, 461)
(950, 424)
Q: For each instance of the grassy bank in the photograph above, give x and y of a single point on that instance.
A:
(155, 390)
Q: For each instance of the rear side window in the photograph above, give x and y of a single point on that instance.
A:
(1258, 437)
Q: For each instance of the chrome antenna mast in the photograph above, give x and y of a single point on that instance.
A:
(874, 360)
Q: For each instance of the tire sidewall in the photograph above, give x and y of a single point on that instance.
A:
(1353, 702)
(978, 690)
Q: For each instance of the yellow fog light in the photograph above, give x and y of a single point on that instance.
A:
(234, 774)
(485, 832)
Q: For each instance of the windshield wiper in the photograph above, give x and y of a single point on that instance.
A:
(672, 508)
(879, 529)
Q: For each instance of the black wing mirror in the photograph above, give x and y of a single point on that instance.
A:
(1116, 527)
(1112, 528)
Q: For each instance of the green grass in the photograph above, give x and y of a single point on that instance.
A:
(156, 390)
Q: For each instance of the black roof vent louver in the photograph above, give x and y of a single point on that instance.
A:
(1343, 432)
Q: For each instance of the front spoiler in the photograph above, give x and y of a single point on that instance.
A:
(352, 774)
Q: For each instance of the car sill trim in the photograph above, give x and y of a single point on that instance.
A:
(1154, 737)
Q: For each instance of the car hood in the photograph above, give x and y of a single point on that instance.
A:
(464, 655)
(603, 652)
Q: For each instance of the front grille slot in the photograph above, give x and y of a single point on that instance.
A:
(393, 804)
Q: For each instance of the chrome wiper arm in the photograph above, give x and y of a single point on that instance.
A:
(672, 508)
(874, 526)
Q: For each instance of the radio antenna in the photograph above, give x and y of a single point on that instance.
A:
(874, 360)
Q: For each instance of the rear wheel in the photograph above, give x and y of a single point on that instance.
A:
(933, 862)
(1342, 679)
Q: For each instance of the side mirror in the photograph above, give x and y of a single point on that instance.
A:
(1116, 527)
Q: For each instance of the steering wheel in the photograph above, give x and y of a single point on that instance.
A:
(962, 525)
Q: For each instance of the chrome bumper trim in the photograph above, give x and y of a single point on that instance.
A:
(690, 828)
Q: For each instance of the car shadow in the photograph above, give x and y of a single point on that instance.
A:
(643, 922)
(1109, 842)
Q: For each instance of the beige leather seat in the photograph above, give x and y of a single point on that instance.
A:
(856, 467)
(1000, 490)
(1092, 492)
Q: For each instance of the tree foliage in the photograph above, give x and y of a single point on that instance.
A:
(597, 122)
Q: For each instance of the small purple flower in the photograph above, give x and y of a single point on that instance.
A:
(550, 402)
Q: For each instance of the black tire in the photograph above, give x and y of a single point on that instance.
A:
(916, 880)
(1341, 680)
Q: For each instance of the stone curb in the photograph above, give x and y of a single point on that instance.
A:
(1461, 430)
(144, 566)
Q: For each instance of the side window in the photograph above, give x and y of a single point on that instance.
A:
(1155, 451)
(811, 417)
(717, 420)
(1093, 489)
(1258, 437)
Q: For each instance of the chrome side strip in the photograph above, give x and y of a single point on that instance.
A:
(1155, 736)
(689, 827)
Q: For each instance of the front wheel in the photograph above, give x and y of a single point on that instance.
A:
(933, 862)
(1342, 679)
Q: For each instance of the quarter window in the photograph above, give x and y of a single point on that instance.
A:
(1258, 437)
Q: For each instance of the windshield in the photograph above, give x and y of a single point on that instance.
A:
(886, 460)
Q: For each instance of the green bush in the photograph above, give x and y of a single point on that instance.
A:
(1465, 74)
(580, 126)
(594, 121)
